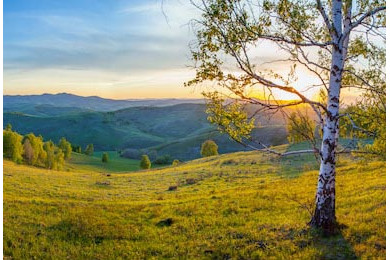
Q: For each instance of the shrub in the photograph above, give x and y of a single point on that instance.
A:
(105, 157)
(76, 148)
(66, 147)
(190, 181)
(172, 188)
(89, 149)
(175, 162)
(165, 159)
(145, 162)
(209, 148)
(132, 153)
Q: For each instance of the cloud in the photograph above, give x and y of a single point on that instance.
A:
(141, 8)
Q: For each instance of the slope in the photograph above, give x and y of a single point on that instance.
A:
(177, 130)
(241, 205)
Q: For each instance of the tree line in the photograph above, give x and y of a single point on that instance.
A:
(33, 150)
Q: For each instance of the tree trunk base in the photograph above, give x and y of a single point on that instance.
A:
(328, 226)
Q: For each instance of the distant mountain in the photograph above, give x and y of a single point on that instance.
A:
(177, 130)
(175, 127)
(28, 103)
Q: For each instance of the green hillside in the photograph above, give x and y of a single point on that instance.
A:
(177, 130)
(243, 205)
(82, 162)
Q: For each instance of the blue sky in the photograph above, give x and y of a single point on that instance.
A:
(111, 48)
(117, 49)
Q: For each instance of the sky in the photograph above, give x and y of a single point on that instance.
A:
(116, 49)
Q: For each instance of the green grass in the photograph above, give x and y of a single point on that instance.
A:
(82, 162)
(242, 206)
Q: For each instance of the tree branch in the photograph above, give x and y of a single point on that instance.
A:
(366, 15)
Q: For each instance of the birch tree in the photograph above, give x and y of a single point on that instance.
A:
(340, 42)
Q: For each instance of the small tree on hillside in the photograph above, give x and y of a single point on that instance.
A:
(49, 147)
(89, 149)
(145, 162)
(105, 157)
(59, 159)
(8, 127)
(12, 146)
(39, 157)
(209, 148)
(175, 162)
(66, 147)
(28, 153)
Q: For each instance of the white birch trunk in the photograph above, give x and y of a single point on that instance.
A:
(324, 215)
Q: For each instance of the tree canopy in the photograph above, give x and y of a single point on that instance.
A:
(145, 162)
(209, 148)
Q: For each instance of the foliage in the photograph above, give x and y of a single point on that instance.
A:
(209, 148)
(39, 154)
(105, 157)
(76, 148)
(49, 147)
(59, 159)
(89, 149)
(232, 32)
(175, 162)
(230, 118)
(12, 145)
(66, 147)
(367, 119)
(165, 159)
(28, 151)
(145, 162)
(301, 128)
(55, 156)
(33, 150)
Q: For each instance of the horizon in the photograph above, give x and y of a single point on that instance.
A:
(72, 94)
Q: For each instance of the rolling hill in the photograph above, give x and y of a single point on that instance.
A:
(27, 103)
(177, 130)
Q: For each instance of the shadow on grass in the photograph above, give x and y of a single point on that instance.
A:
(333, 247)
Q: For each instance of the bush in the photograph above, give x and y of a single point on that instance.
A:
(66, 148)
(105, 157)
(190, 181)
(89, 149)
(175, 162)
(76, 148)
(172, 188)
(165, 159)
(209, 148)
(132, 153)
(145, 162)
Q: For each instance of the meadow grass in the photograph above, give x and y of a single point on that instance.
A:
(94, 163)
(242, 206)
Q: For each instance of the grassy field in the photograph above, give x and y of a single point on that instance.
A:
(241, 206)
(82, 162)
